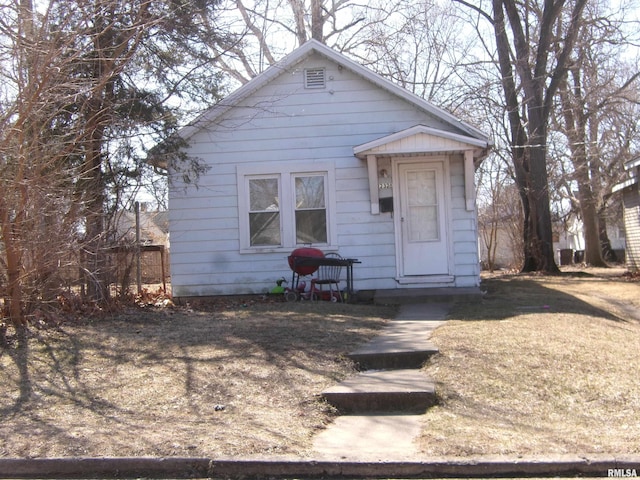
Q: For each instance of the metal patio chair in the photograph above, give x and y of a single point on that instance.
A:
(328, 275)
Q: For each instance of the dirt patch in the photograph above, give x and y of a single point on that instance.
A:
(237, 377)
(548, 365)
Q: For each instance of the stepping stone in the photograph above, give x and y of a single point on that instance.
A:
(403, 344)
(383, 391)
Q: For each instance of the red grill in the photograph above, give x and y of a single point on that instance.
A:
(303, 253)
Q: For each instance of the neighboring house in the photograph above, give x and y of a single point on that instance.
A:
(569, 242)
(631, 206)
(154, 244)
(154, 228)
(320, 151)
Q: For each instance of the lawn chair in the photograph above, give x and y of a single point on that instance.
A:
(328, 275)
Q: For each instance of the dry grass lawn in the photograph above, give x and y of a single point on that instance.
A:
(544, 365)
(547, 365)
(239, 378)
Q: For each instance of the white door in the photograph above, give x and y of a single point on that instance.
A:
(423, 228)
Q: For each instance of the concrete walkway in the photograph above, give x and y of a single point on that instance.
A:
(385, 427)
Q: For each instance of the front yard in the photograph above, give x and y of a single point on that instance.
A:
(543, 365)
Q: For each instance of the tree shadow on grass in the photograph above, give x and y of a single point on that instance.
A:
(513, 295)
(18, 351)
(201, 358)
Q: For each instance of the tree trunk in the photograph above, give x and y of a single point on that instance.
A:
(95, 191)
(540, 234)
(316, 20)
(592, 252)
(608, 253)
(576, 124)
(14, 297)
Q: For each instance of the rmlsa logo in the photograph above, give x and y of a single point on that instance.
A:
(622, 472)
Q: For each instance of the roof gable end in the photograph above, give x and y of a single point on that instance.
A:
(303, 52)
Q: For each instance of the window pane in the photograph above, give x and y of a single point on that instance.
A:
(311, 226)
(422, 188)
(263, 194)
(423, 224)
(423, 206)
(310, 192)
(264, 228)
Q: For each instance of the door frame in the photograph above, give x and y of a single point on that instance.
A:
(443, 160)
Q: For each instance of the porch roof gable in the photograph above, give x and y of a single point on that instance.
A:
(421, 139)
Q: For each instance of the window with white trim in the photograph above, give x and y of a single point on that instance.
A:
(282, 207)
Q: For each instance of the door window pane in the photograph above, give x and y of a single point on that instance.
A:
(422, 201)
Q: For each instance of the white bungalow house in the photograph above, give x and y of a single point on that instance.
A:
(320, 151)
(630, 191)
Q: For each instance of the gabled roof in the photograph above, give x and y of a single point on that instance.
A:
(632, 167)
(314, 47)
(154, 227)
(419, 138)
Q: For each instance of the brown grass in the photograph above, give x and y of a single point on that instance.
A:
(548, 365)
(239, 378)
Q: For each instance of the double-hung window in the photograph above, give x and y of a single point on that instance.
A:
(282, 207)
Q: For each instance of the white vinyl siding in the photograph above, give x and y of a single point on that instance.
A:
(631, 201)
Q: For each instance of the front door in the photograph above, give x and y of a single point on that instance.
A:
(422, 222)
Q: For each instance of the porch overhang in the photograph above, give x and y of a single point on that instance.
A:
(633, 167)
(421, 140)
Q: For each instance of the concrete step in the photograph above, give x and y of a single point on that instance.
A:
(426, 295)
(406, 391)
(410, 359)
(403, 344)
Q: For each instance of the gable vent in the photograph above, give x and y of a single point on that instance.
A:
(314, 78)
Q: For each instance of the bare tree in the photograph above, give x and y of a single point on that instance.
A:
(496, 214)
(593, 99)
(265, 31)
(36, 184)
(78, 111)
(534, 40)
(423, 48)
